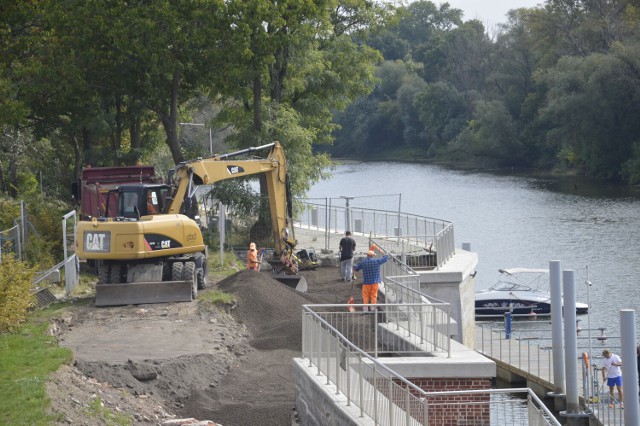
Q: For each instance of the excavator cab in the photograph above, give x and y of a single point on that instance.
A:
(134, 201)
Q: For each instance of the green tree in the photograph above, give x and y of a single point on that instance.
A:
(300, 65)
(492, 137)
(426, 27)
(444, 113)
(592, 105)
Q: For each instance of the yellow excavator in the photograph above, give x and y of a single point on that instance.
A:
(152, 249)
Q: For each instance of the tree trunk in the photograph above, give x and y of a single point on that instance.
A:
(118, 136)
(257, 104)
(278, 73)
(77, 154)
(12, 178)
(86, 141)
(170, 123)
(3, 185)
(134, 135)
(134, 132)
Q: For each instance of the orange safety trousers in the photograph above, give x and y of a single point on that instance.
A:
(252, 260)
(370, 293)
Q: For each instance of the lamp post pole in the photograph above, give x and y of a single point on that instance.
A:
(202, 125)
(347, 212)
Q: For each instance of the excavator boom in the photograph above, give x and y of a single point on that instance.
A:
(223, 167)
(149, 258)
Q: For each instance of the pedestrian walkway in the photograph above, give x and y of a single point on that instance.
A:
(524, 361)
(315, 239)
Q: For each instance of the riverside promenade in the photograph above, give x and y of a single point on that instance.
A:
(520, 361)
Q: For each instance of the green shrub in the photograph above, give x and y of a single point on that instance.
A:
(15, 297)
(9, 211)
(39, 252)
(44, 247)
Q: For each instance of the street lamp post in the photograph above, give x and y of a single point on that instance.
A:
(202, 125)
(347, 212)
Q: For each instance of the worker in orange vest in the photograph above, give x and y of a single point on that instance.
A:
(252, 257)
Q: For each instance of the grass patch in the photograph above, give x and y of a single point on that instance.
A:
(217, 297)
(28, 357)
(86, 285)
(229, 266)
(98, 410)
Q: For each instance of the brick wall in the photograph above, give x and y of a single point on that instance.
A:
(459, 409)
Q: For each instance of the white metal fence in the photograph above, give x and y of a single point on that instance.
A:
(71, 263)
(534, 357)
(424, 241)
(401, 329)
(340, 345)
(10, 242)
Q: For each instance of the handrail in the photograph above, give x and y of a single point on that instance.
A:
(407, 230)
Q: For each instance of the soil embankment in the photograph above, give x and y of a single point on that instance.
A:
(163, 361)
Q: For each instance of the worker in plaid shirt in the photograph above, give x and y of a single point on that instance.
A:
(370, 268)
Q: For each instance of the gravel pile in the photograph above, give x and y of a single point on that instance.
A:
(270, 310)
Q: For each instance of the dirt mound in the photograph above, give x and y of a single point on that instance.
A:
(171, 379)
(77, 399)
(271, 311)
(260, 389)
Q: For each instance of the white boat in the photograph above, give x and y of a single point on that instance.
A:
(522, 291)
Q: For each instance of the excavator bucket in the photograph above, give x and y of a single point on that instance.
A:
(297, 282)
(143, 293)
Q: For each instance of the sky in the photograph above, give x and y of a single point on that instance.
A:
(489, 12)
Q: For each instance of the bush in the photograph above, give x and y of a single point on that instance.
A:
(15, 297)
(45, 245)
(9, 211)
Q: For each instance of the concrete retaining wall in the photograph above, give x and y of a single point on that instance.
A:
(318, 404)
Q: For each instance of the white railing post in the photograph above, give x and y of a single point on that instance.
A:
(361, 384)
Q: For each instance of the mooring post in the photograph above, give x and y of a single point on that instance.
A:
(507, 325)
(629, 368)
(573, 414)
(556, 326)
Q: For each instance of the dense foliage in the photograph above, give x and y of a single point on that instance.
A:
(15, 295)
(120, 82)
(555, 87)
(112, 83)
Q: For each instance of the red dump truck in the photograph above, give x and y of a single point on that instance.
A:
(92, 191)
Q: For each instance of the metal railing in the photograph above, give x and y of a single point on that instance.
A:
(402, 329)
(424, 241)
(395, 266)
(10, 242)
(525, 354)
(517, 351)
(332, 343)
(497, 407)
(406, 290)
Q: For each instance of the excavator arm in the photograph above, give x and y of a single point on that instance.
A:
(188, 175)
(157, 258)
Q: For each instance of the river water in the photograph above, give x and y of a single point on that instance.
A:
(517, 221)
